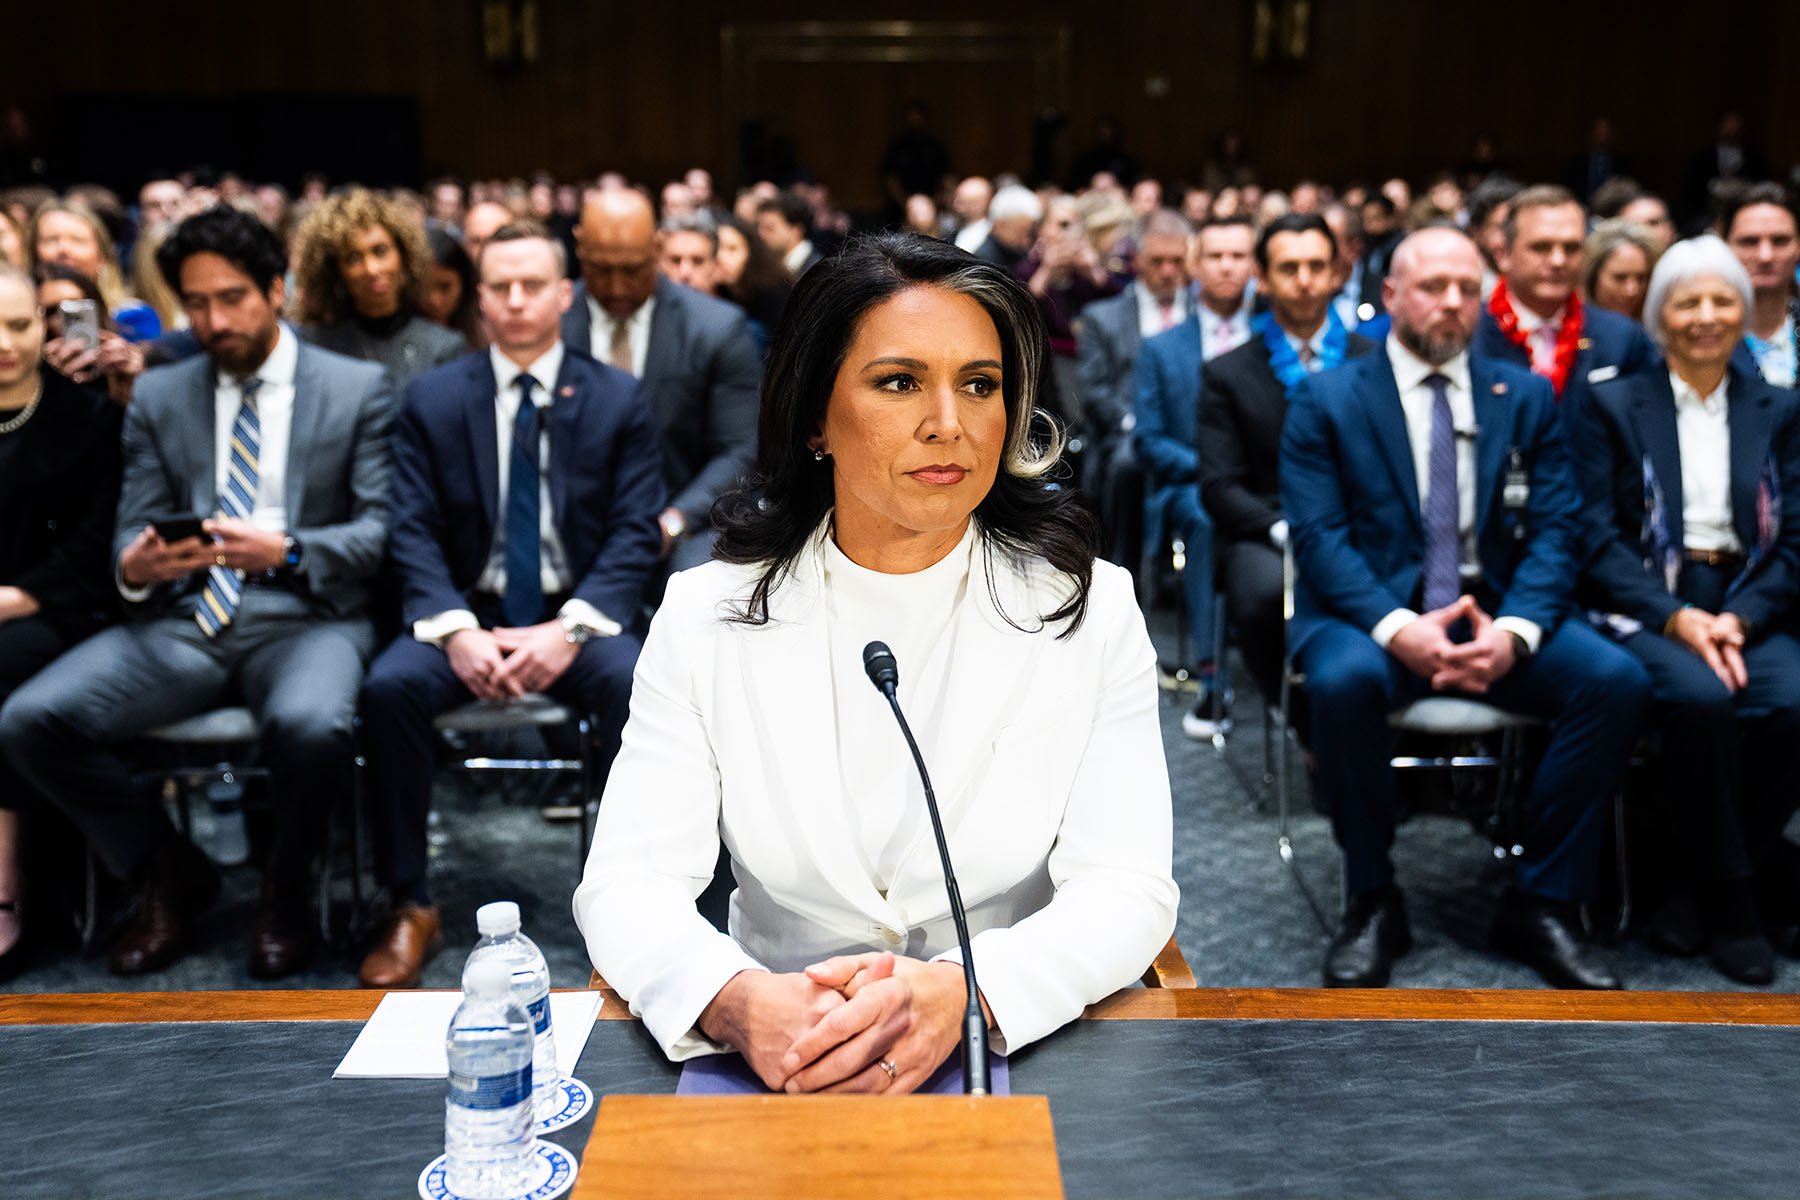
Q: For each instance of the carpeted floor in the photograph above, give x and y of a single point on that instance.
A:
(1243, 920)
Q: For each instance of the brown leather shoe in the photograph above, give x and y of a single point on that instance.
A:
(281, 941)
(408, 939)
(178, 882)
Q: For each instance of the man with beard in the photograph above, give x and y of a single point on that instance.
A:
(1434, 520)
(278, 452)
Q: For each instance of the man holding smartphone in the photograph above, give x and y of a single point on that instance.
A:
(279, 450)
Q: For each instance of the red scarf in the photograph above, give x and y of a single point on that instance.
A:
(1568, 338)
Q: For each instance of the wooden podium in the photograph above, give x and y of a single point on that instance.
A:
(894, 1147)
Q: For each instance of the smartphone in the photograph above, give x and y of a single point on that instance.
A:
(80, 322)
(177, 528)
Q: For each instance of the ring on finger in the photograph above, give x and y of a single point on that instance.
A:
(890, 1068)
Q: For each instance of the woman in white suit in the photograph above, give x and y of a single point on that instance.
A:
(900, 496)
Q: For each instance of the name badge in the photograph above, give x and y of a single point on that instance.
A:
(1515, 491)
(1602, 374)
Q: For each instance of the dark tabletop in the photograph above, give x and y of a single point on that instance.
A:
(1142, 1108)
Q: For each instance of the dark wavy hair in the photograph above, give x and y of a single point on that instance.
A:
(237, 237)
(770, 517)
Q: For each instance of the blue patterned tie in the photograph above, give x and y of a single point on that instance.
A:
(1443, 532)
(225, 586)
(523, 603)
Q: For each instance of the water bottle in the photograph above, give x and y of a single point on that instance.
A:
(500, 937)
(488, 1117)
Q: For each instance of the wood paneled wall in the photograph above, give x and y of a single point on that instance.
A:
(1388, 85)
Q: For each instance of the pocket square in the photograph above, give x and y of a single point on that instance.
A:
(1602, 374)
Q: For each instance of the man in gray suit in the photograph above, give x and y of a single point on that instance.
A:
(1111, 332)
(697, 368)
(279, 449)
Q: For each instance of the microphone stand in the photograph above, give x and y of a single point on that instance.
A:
(884, 673)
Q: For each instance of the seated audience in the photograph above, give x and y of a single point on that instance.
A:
(1064, 274)
(1013, 218)
(479, 223)
(12, 242)
(1615, 267)
(696, 366)
(1243, 403)
(899, 495)
(1112, 329)
(1490, 208)
(750, 276)
(448, 293)
(362, 268)
(970, 201)
(1535, 317)
(1688, 467)
(688, 251)
(59, 473)
(280, 450)
(520, 574)
(111, 362)
(1434, 519)
(783, 223)
(1166, 386)
(1759, 223)
(73, 236)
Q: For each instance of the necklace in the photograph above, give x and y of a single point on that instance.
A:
(24, 414)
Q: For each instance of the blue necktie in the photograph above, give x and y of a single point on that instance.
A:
(225, 586)
(523, 603)
(1443, 532)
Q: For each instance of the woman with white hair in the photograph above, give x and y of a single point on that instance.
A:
(1689, 468)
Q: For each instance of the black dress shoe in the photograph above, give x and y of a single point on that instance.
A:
(1372, 935)
(1546, 936)
(281, 942)
(1674, 928)
(1736, 942)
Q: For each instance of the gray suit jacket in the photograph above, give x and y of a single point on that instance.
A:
(414, 349)
(1107, 353)
(702, 383)
(337, 472)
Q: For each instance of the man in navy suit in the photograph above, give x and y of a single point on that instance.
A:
(698, 370)
(1535, 317)
(526, 494)
(1167, 382)
(1434, 520)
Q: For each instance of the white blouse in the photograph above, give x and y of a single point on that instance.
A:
(912, 614)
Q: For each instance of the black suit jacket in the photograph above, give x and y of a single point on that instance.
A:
(605, 489)
(702, 383)
(1629, 420)
(1242, 408)
(57, 497)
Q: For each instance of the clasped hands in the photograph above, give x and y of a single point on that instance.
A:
(229, 542)
(1718, 638)
(829, 1028)
(506, 663)
(1424, 648)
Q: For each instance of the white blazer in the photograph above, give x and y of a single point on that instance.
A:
(1049, 774)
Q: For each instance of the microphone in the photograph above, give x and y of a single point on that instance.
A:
(884, 673)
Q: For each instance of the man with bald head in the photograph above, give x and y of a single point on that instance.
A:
(697, 369)
(479, 224)
(1434, 521)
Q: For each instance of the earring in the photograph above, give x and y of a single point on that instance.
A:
(818, 454)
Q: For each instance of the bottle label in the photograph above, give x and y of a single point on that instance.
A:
(540, 1015)
(490, 1092)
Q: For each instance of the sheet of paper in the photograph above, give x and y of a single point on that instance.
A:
(404, 1039)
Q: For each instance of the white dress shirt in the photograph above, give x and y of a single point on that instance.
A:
(1775, 356)
(1151, 314)
(973, 234)
(553, 561)
(600, 333)
(1410, 374)
(1540, 336)
(1221, 335)
(1704, 435)
(912, 614)
(795, 260)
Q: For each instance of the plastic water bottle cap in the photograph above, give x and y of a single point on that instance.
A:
(502, 916)
(488, 976)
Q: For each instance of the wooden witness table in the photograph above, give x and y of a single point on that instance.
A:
(1177, 1092)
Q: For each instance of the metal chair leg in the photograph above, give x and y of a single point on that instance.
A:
(589, 803)
(1284, 843)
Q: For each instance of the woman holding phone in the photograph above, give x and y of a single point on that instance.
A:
(59, 481)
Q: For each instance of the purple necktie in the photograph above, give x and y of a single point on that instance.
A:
(1443, 534)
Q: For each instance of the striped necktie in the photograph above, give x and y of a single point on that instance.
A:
(225, 586)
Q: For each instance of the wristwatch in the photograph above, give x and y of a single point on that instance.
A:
(574, 632)
(1521, 647)
(291, 552)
